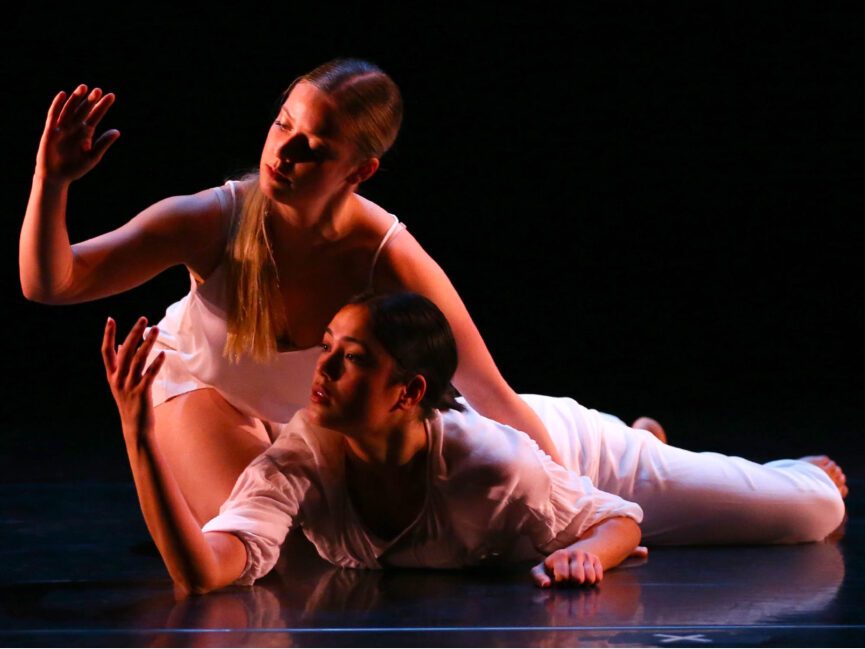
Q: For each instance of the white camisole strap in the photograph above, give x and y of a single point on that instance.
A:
(221, 196)
(395, 227)
(392, 230)
(233, 197)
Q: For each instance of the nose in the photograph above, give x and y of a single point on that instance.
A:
(293, 148)
(330, 364)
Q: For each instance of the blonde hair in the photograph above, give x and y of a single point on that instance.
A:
(371, 107)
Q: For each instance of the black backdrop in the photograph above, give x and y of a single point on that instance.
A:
(655, 209)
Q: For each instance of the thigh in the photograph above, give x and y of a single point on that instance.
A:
(207, 443)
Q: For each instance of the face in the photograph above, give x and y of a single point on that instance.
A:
(306, 159)
(352, 391)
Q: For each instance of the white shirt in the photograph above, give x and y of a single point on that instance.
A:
(491, 495)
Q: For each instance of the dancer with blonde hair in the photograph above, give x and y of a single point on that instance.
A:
(271, 257)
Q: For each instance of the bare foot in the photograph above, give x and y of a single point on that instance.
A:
(832, 470)
(651, 425)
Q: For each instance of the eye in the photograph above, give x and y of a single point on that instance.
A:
(324, 347)
(280, 124)
(361, 360)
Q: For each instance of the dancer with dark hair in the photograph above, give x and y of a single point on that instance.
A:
(383, 470)
(271, 256)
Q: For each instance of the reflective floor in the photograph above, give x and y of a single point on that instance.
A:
(78, 569)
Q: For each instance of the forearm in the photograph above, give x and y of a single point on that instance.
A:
(477, 377)
(45, 256)
(612, 540)
(505, 406)
(195, 563)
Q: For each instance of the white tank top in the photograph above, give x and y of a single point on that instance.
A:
(193, 334)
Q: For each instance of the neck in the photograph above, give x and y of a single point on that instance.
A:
(391, 449)
(323, 223)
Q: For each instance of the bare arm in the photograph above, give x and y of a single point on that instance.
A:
(602, 547)
(174, 231)
(197, 562)
(407, 266)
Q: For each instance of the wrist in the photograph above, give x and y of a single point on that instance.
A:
(139, 439)
(50, 182)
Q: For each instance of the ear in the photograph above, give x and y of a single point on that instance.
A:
(364, 171)
(413, 392)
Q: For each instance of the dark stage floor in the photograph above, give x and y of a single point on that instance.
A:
(78, 569)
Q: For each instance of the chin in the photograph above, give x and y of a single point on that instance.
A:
(315, 415)
(269, 188)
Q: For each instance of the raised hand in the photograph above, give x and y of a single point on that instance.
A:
(130, 382)
(67, 150)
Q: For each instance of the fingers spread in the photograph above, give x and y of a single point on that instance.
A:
(152, 371)
(54, 111)
(109, 358)
(136, 367)
(84, 106)
(98, 112)
(68, 113)
(100, 146)
(127, 349)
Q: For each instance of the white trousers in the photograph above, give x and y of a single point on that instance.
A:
(692, 498)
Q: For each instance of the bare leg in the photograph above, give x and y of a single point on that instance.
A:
(207, 443)
(651, 425)
(832, 470)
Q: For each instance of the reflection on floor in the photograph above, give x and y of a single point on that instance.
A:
(78, 569)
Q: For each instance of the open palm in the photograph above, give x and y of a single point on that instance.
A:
(68, 150)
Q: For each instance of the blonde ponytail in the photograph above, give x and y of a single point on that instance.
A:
(255, 306)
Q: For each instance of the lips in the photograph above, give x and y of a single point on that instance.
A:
(274, 173)
(319, 395)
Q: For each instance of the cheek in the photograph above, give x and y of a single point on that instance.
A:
(360, 403)
(268, 147)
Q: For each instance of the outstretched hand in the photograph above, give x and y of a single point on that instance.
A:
(568, 566)
(67, 150)
(574, 566)
(129, 380)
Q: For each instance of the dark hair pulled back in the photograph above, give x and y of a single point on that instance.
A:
(417, 335)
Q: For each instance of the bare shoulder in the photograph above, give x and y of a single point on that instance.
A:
(182, 213)
(207, 212)
(195, 225)
(372, 219)
(404, 264)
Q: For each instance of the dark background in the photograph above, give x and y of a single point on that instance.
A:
(654, 209)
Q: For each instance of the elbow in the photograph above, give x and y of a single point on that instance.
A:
(635, 532)
(194, 580)
(200, 589)
(629, 529)
(34, 292)
(627, 533)
(41, 284)
(194, 585)
(31, 290)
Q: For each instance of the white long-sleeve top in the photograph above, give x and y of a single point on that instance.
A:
(491, 494)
